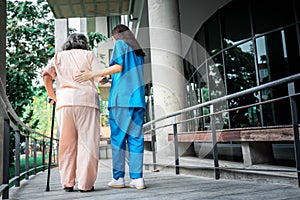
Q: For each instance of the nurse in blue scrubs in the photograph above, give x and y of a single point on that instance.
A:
(126, 106)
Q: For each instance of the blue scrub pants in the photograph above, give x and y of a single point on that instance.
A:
(127, 127)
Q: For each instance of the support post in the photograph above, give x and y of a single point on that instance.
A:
(5, 179)
(17, 154)
(34, 156)
(153, 147)
(43, 154)
(293, 105)
(27, 157)
(214, 141)
(176, 148)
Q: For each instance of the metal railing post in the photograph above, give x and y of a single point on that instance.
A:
(291, 88)
(5, 178)
(214, 141)
(17, 154)
(34, 156)
(57, 151)
(176, 148)
(27, 157)
(43, 154)
(153, 147)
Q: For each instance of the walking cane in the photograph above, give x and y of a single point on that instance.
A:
(50, 151)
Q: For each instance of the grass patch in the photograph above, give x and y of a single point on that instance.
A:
(39, 162)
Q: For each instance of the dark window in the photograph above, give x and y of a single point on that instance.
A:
(199, 48)
(269, 15)
(297, 6)
(239, 68)
(212, 35)
(199, 37)
(235, 23)
(216, 77)
(112, 21)
(240, 75)
(277, 55)
(91, 24)
(278, 112)
(217, 89)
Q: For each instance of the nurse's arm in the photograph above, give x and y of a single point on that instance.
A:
(112, 70)
(86, 75)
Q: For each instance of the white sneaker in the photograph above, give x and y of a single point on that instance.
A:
(120, 183)
(138, 183)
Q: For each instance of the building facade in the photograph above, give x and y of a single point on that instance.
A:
(200, 50)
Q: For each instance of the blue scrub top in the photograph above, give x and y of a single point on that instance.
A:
(127, 88)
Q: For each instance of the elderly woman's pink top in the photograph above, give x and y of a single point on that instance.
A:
(64, 66)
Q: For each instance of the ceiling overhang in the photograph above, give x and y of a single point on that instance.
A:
(88, 8)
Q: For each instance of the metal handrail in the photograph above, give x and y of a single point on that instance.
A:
(13, 122)
(291, 95)
(222, 111)
(227, 97)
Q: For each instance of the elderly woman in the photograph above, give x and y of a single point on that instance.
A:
(77, 113)
(126, 106)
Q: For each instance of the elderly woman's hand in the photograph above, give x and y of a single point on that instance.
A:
(83, 76)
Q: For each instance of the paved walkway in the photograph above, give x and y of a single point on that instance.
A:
(160, 185)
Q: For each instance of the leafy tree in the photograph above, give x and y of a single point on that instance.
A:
(29, 45)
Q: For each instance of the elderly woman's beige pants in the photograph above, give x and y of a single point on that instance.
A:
(79, 129)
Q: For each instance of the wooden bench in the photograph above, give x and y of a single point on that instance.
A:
(256, 143)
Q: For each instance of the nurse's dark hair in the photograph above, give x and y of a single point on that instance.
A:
(122, 32)
(76, 41)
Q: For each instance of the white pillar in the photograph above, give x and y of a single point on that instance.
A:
(103, 48)
(83, 26)
(167, 66)
(101, 25)
(61, 33)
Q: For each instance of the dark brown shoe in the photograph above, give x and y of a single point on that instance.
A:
(68, 189)
(93, 189)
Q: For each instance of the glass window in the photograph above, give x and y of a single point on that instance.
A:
(112, 21)
(199, 48)
(216, 77)
(277, 55)
(212, 35)
(268, 15)
(187, 68)
(297, 3)
(199, 37)
(289, 38)
(217, 89)
(240, 75)
(91, 24)
(240, 68)
(278, 112)
(235, 23)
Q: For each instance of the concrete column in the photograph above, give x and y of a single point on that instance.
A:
(167, 66)
(83, 25)
(61, 33)
(101, 25)
(2, 71)
(103, 48)
(257, 153)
